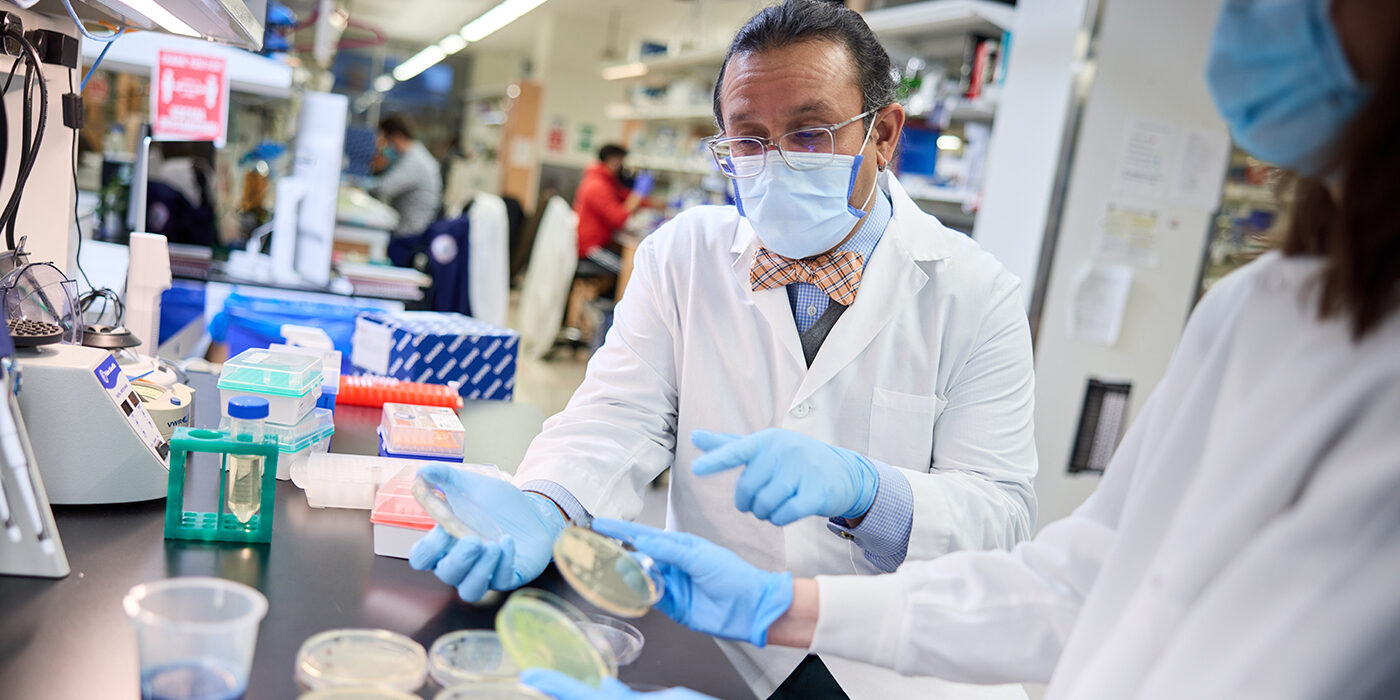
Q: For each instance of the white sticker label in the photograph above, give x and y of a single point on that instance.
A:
(371, 347)
(446, 420)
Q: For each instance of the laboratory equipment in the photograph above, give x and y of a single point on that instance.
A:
(470, 656)
(147, 277)
(307, 340)
(29, 333)
(195, 636)
(421, 432)
(361, 657)
(245, 489)
(346, 481)
(541, 630)
(607, 572)
(31, 546)
(369, 390)
(296, 443)
(357, 693)
(170, 407)
(40, 292)
(116, 454)
(466, 520)
(492, 691)
(625, 640)
(290, 382)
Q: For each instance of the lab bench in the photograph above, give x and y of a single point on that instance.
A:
(69, 638)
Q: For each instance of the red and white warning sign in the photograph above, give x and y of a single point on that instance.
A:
(189, 98)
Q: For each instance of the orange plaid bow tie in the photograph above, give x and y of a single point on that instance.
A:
(836, 274)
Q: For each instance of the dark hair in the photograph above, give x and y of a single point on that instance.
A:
(1359, 237)
(611, 150)
(797, 21)
(398, 124)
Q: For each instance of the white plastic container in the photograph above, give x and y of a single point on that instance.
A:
(346, 481)
(296, 443)
(290, 382)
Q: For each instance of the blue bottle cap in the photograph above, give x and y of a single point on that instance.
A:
(247, 407)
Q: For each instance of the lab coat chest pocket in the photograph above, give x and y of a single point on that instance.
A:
(901, 428)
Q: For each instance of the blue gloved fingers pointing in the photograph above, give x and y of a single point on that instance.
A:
(707, 441)
(781, 489)
(624, 530)
(504, 577)
(737, 453)
(478, 580)
(562, 687)
(430, 549)
(795, 508)
(453, 567)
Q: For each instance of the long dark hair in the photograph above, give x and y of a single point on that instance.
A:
(1359, 236)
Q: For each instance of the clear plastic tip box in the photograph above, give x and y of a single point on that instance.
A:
(290, 382)
(422, 432)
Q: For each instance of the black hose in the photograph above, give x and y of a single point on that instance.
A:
(27, 163)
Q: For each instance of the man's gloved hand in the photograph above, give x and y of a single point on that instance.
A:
(529, 521)
(789, 476)
(644, 184)
(562, 687)
(708, 588)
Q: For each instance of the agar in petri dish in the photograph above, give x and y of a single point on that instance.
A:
(358, 693)
(460, 525)
(470, 656)
(491, 691)
(607, 573)
(349, 657)
(625, 640)
(541, 630)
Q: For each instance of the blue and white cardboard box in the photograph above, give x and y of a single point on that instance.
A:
(438, 348)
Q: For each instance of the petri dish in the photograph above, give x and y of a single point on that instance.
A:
(541, 630)
(358, 693)
(471, 523)
(607, 572)
(470, 656)
(625, 640)
(491, 691)
(359, 657)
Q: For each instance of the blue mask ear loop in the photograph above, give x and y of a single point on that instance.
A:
(859, 212)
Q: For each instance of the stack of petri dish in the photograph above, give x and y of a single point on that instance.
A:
(362, 659)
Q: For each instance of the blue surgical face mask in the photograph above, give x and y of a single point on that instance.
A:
(801, 213)
(1281, 80)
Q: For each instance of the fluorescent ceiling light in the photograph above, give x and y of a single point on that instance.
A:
(384, 83)
(497, 17)
(167, 21)
(626, 70)
(452, 43)
(949, 142)
(420, 62)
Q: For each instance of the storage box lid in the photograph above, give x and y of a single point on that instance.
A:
(437, 323)
(422, 430)
(268, 372)
(318, 425)
(394, 503)
(330, 362)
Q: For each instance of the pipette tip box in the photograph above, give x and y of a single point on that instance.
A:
(421, 432)
(290, 382)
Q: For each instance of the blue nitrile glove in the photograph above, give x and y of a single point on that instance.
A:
(708, 588)
(562, 687)
(789, 475)
(643, 184)
(530, 523)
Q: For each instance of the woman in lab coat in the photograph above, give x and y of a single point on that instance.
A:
(1245, 540)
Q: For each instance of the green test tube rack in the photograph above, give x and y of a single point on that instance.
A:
(220, 526)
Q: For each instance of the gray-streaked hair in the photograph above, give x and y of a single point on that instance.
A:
(796, 21)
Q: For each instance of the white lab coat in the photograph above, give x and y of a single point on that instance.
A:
(1244, 543)
(488, 259)
(929, 370)
(548, 277)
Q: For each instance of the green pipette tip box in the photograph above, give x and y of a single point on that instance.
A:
(220, 526)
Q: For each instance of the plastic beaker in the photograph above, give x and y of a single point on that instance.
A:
(195, 636)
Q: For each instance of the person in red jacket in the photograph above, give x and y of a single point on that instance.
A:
(603, 203)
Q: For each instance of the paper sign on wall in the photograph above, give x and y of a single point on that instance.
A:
(1146, 160)
(1128, 233)
(1100, 299)
(1200, 174)
(189, 98)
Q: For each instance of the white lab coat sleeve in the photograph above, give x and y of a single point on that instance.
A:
(997, 616)
(618, 432)
(1313, 597)
(978, 493)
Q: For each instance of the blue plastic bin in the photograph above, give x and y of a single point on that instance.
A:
(918, 152)
(256, 322)
(180, 306)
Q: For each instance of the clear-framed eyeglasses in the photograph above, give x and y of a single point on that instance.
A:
(808, 148)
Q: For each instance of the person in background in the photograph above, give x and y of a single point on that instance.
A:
(826, 308)
(408, 178)
(1245, 539)
(603, 202)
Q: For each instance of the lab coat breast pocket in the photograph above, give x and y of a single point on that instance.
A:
(901, 428)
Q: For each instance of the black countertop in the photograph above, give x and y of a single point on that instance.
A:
(69, 638)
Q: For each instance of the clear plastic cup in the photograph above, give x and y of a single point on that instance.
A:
(195, 636)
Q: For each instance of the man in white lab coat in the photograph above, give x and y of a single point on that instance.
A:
(825, 306)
